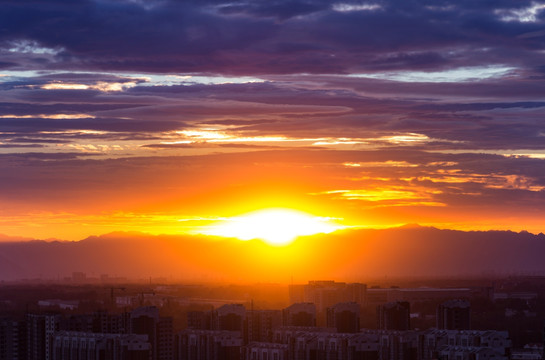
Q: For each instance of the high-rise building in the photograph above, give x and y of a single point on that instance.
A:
(12, 339)
(68, 345)
(146, 321)
(40, 328)
(229, 317)
(208, 345)
(260, 324)
(316, 343)
(199, 320)
(464, 344)
(299, 314)
(345, 317)
(454, 315)
(165, 339)
(104, 322)
(394, 316)
(79, 322)
(265, 351)
(326, 293)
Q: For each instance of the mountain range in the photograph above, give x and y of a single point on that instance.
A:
(357, 254)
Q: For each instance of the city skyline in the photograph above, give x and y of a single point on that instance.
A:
(240, 119)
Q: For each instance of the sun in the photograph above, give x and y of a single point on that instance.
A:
(276, 226)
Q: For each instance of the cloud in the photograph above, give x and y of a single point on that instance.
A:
(430, 102)
(240, 37)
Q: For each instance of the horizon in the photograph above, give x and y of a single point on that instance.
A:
(4, 238)
(347, 255)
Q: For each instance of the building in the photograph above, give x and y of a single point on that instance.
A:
(40, 328)
(146, 321)
(394, 316)
(454, 315)
(326, 293)
(229, 317)
(284, 334)
(199, 320)
(260, 324)
(208, 345)
(90, 346)
(379, 296)
(12, 339)
(320, 343)
(165, 339)
(104, 322)
(299, 314)
(264, 351)
(80, 322)
(310, 344)
(464, 345)
(345, 317)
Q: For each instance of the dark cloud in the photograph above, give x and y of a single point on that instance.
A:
(281, 10)
(237, 122)
(37, 140)
(266, 37)
(98, 124)
(13, 146)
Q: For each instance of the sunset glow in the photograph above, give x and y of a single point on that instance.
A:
(226, 121)
(275, 226)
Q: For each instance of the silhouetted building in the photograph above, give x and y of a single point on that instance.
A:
(208, 345)
(260, 324)
(265, 351)
(91, 346)
(383, 295)
(300, 314)
(165, 339)
(454, 315)
(317, 344)
(326, 293)
(80, 323)
(199, 320)
(399, 345)
(532, 351)
(464, 345)
(146, 321)
(229, 317)
(285, 334)
(345, 317)
(365, 345)
(40, 328)
(106, 323)
(12, 339)
(394, 316)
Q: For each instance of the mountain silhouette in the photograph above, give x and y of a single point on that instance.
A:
(348, 254)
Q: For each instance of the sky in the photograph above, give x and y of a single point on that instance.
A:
(166, 116)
